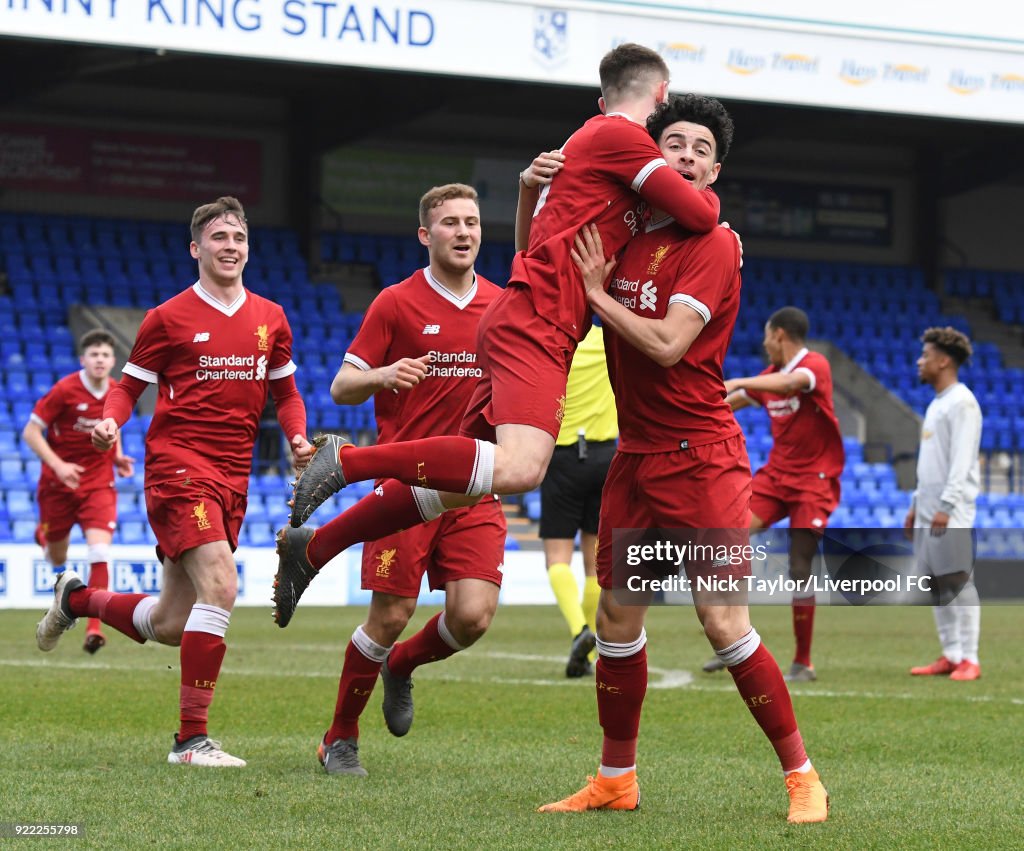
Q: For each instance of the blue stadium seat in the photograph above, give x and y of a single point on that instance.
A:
(133, 532)
(23, 531)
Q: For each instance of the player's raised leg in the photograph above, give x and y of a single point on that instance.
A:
(391, 507)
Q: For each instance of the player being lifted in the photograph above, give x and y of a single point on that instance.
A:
(668, 316)
(528, 336)
(214, 351)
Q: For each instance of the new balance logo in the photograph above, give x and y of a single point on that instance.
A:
(202, 337)
(431, 329)
(648, 296)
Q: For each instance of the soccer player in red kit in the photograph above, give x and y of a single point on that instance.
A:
(77, 483)
(214, 351)
(416, 355)
(668, 316)
(527, 338)
(801, 478)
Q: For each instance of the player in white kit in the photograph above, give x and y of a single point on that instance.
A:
(941, 516)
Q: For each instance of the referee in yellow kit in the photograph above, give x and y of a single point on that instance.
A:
(571, 494)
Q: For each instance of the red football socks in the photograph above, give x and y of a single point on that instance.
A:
(358, 677)
(425, 646)
(763, 689)
(99, 579)
(621, 687)
(201, 657)
(388, 509)
(803, 628)
(441, 463)
(112, 609)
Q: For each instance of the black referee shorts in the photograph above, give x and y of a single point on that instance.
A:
(570, 495)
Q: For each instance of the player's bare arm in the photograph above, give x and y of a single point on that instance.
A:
(125, 464)
(69, 474)
(737, 399)
(908, 523)
(783, 383)
(352, 385)
(664, 341)
(539, 173)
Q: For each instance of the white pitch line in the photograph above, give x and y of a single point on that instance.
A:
(670, 679)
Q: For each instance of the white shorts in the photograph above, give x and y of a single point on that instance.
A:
(952, 552)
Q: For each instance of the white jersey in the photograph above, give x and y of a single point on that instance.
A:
(948, 475)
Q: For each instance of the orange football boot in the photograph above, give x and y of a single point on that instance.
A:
(600, 793)
(939, 668)
(808, 800)
(966, 671)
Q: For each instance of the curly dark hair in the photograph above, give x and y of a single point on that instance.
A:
(697, 109)
(951, 342)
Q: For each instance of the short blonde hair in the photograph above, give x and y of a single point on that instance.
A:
(439, 194)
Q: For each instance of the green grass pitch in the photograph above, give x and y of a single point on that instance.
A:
(909, 763)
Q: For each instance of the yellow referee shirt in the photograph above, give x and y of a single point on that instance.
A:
(589, 401)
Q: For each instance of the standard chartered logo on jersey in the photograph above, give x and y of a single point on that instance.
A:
(453, 365)
(232, 368)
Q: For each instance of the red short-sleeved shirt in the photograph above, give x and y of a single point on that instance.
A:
(805, 431)
(682, 406)
(608, 160)
(68, 412)
(416, 317)
(213, 364)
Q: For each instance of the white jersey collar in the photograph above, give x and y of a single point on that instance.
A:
(226, 309)
(659, 224)
(799, 356)
(97, 394)
(621, 115)
(461, 302)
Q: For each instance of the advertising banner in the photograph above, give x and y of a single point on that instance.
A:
(916, 58)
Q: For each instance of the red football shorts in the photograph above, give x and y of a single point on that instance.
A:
(464, 543)
(807, 500)
(706, 487)
(184, 516)
(525, 361)
(61, 508)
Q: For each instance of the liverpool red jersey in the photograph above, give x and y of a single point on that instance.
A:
(212, 364)
(682, 406)
(805, 431)
(607, 162)
(416, 317)
(68, 413)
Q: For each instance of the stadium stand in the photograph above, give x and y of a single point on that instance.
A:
(873, 313)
